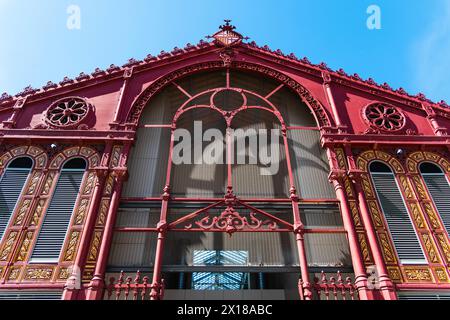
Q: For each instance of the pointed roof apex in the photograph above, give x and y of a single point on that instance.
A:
(226, 36)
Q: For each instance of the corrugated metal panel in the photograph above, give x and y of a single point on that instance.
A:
(11, 185)
(317, 218)
(30, 295)
(294, 111)
(249, 180)
(310, 164)
(57, 218)
(327, 250)
(399, 222)
(134, 249)
(148, 163)
(200, 179)
(439, 189)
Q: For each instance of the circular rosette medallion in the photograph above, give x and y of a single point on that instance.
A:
(68, 112)
(384, 117)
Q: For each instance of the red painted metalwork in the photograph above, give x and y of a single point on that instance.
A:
(111, 103)
(128, 288)
(68, 112)
(384, 117)
(334, 289)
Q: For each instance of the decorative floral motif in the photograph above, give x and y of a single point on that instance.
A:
(364, 248)
(14, 273)
(387, 249)
(93, 252)
(418, 274)
(68, 112)
(71, 247)
(8, 245)
(23, 209)
(231, 221)
(38, 212)
(441, 274)
(25, 246)
(384, 117)
(430, 248)
(395, 274)
(38, 274)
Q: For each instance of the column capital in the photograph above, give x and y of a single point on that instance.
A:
(336, 175)
(355, 175)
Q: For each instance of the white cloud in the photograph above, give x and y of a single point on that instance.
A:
(431, 56)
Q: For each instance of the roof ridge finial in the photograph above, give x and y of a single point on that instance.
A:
(227, 26)
(226, 36)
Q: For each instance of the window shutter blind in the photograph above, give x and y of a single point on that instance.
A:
(439, 189)
(402, 230)
(424, 296)
(56, 222)
(11, 186)
(30, 295)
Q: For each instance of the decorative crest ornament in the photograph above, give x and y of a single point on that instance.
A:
(226, 36)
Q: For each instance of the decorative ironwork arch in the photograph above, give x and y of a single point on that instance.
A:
(37, 154)
(90, 155)
(415, 159)
(320, 114)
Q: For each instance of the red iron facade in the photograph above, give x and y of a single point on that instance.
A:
(96, 117)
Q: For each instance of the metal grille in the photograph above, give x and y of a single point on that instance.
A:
(439, 189)
(11, 186)
(219, 281)
(30, 295)
(403, 234)
(56, 222)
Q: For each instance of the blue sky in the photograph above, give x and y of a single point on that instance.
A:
(412, 50)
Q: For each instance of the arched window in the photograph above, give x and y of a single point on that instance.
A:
(57, 218)
(439, 189)
(11, 185)
(403, 234)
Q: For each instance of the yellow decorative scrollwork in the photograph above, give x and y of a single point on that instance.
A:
(355, 213)
(431, 250)
(418, 275)
(71, 247)
(38, 212)
(376, 215)
(364, 248)
(418, 219)
(389, 256)
(14, 273)
(441, 274)
(395, 274)
(420, 187)
(444, 246)
(431, 215)
(38, 273)
(48, 183)
(93, 252)
(21, 256)
(33, 183)
(89, 186)
(81, 211)
(8, 246)
(405, 186)
(22, 211)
